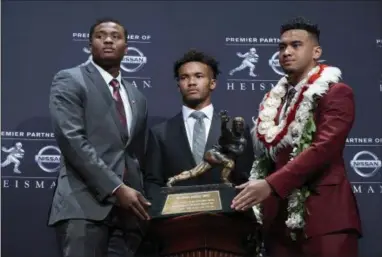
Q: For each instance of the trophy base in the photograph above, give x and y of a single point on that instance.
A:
(183, 200)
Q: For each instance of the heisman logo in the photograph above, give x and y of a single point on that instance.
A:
(249, 60)
(15, 153)
(133, 61)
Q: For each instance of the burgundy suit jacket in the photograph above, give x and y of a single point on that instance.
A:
(332, 206)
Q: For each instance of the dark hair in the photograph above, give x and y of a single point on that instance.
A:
(104, 20)
(195, 56)
(304, 24)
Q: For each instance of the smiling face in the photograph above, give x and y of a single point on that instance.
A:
(108, 43)
(298, 51)
(195, 81)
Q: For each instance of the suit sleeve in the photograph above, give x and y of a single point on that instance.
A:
(66, 106)
(153, 170)
(245, 161)
(336, 117)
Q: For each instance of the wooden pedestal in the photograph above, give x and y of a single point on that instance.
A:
(203, 235)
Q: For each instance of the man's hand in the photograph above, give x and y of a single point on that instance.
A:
(254, 192)
(131, 199)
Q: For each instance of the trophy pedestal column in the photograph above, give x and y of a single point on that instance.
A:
(203, 235)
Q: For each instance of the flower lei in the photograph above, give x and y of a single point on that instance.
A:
(296, 129)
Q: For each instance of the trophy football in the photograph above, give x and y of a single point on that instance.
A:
(177, 200)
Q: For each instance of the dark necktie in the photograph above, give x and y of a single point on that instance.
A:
(289, 97)
(120, 108)
(118, 100)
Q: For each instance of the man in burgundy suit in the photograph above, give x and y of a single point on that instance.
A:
(298, 186)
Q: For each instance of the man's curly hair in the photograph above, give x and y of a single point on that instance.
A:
(196, 56)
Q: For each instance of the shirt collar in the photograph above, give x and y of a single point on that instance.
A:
(106, 75)
(208, 111)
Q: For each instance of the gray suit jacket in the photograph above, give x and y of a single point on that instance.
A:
(95, 147)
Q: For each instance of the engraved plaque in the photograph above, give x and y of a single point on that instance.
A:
(192, 202)
(182, 200)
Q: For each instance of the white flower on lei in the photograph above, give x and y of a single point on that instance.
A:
(271, 133)
(257, 212)
(279, 90)
(295, 129)
(268, 114)
(264, 126)
(303, 111)
(295, 221)
(272, 102)
(293, 202)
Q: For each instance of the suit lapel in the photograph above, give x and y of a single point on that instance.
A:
(214, 133)
(93, 74)
(181, 133)
(133, 106)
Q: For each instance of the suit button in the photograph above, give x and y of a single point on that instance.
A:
(120, 176)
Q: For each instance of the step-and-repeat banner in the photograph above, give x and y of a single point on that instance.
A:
(40, 38)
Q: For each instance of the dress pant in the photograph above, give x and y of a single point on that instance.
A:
(119, 235)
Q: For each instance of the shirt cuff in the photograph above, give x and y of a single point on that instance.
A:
(115, 189)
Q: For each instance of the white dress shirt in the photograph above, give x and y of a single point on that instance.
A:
(189, 122)
(125, 99)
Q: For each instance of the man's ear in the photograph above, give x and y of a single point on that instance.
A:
(213, 84)
(317, 52)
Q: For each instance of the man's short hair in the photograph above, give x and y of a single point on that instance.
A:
(104, 20)
(196, 56)
(304, 24)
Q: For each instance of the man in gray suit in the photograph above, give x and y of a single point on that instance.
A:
(99, 122)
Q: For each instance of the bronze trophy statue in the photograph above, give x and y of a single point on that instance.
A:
(230, 145)
(175, 200)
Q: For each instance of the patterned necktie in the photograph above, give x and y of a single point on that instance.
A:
(118, 100)
(289, 97)
(198, 136)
